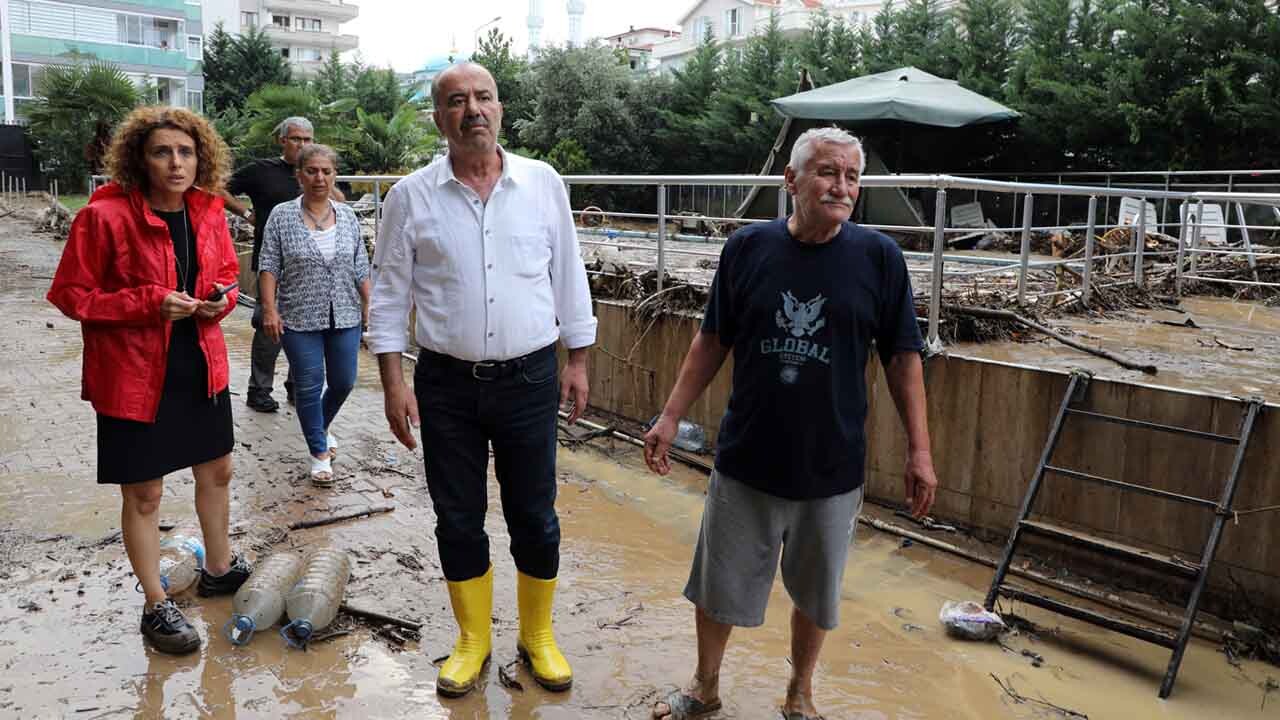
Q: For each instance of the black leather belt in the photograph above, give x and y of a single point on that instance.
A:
(485, 370)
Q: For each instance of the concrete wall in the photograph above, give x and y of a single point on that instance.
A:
(989, 422)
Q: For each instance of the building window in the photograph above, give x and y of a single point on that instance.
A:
(25, 80)
(302, 23)
(195, 101)
(703, 28)
(733, 22)
(195, 47)
(284, 52)
(248, 19)
(307, 55)
(280, 21)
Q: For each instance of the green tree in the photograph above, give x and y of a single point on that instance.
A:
(989, 39)
(377, 91)
(382, 146)
(740, 123)
(234, 72)
(73, 113)
(1057, 83)
(333, 80)
(1184, 86)
(830, 50)
(692, 88)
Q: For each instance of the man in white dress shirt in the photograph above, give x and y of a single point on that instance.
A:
(482, 244)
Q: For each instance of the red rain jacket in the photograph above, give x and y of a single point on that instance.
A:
(115, 271)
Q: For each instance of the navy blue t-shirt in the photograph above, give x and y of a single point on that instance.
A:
(801, 319)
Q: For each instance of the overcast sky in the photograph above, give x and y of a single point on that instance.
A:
(404, 33)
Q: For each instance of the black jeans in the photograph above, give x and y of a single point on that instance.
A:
(461, 415)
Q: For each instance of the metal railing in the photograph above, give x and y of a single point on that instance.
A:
(1190, 227)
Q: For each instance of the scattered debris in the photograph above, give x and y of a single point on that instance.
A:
(54, 218)
(970, 621)
(1036, 658)
(1020, 699)
(1015, 317)
(506, 676)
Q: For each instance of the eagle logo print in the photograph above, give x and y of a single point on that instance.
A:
(801, 319)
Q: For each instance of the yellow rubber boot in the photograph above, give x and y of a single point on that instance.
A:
(537, 643)
(472, 602)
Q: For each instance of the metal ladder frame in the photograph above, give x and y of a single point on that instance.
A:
(1199, 571)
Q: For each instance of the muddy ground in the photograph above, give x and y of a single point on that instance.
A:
(69, 644)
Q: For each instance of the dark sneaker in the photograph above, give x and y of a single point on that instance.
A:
(262, 402)
(168, 630)
(226, 583)
(288, 392)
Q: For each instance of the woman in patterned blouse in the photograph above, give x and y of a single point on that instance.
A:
(313, 283)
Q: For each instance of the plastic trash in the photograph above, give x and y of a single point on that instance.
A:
(690, 436)
(259, 603)
(970, 621)
(314, 600)
(181, 560)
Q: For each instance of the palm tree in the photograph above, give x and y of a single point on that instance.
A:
(74, 111)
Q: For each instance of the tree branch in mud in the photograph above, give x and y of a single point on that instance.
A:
(363, 512)
(379, 617)
(1027, 322)
(1019, 698)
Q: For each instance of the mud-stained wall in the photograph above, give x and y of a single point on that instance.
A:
(989, 422)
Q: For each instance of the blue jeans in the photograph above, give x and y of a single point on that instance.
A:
(315, 357)
(461, 416)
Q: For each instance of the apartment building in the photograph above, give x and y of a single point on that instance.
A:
(638, 44)
(304, 31)
(155, 41)
(731, 22)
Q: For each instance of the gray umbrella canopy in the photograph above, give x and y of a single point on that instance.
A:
(904, 94)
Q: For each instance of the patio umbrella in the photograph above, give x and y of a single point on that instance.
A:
(904, 94)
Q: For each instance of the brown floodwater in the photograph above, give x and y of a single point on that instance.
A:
(1232, 350)
(621, 620)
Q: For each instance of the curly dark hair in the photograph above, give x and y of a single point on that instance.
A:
(125, 162)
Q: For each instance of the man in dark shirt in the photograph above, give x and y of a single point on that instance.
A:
(799, 302)
(268, 183)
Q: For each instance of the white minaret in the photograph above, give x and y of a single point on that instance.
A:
(576, 9)
(535, 26)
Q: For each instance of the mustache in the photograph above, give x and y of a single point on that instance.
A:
(843, 201)
(478, 121)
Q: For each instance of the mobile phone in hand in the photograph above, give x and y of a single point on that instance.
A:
(217, 294)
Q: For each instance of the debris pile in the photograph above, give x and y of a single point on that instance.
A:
(54, 218)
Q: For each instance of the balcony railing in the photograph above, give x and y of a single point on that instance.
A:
(312, 38)
(336, 11)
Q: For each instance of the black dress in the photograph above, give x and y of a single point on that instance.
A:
(190, 427)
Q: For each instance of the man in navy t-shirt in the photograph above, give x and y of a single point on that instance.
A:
(800, 302)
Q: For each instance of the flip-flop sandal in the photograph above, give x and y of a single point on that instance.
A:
(686, 707)
(321, 472)
(798, 715)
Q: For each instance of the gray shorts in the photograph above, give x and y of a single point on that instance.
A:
(743, 530)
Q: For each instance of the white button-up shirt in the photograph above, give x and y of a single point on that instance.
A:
(490, 281)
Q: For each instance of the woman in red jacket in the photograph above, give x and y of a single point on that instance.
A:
(143, 272)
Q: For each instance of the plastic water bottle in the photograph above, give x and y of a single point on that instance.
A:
(259, 603)
(181, 560)
(313, 602)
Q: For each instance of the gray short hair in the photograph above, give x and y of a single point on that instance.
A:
(282, 130)
(802, 151)
(310, 151)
